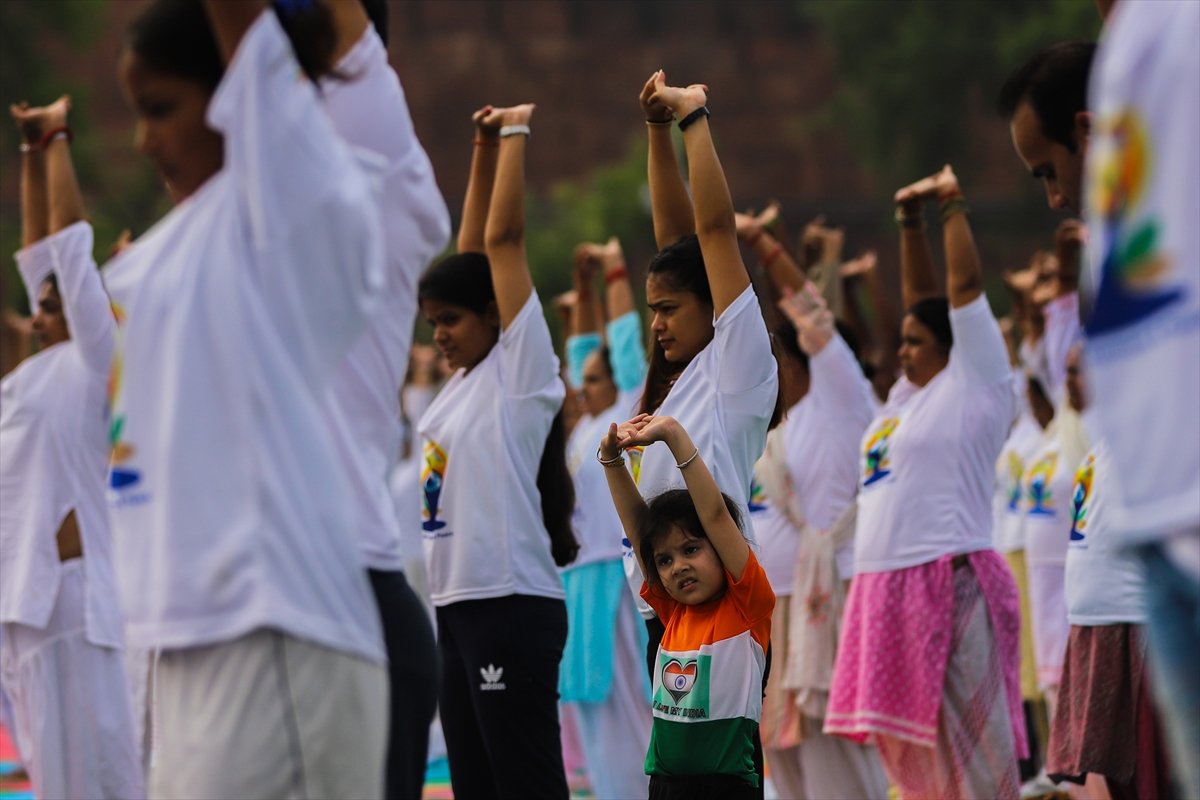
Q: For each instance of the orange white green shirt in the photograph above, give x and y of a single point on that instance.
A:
(708, 679)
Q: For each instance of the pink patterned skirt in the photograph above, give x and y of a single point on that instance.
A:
(897, 634)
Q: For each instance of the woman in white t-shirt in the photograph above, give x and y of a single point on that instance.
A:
(711, 365)
(496, 493)
(61, 661)
(237, 552)
(928, 657)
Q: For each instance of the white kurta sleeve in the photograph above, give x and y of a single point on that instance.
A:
(85, 302)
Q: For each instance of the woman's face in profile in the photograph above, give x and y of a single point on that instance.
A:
(172, 130)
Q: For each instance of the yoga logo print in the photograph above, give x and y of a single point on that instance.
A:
(1041, 499)
(1083, 490)
(877, 462)
(433, 475)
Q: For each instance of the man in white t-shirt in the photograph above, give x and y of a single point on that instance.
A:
(1143, 200)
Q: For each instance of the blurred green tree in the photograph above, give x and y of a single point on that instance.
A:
(913, 71)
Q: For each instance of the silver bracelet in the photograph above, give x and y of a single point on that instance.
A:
(514, 130)
(691, 458)
(615, 462)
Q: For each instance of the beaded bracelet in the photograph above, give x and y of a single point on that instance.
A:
(910, 221)
(955, 205)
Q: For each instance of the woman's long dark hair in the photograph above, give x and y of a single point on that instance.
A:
(465, 280)
(174, 36)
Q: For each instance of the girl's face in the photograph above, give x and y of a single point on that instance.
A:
(171, 128)
(49, 322)
(921, 356)
(682, 323)
(688, 568)
(599, 390)
(463, 337)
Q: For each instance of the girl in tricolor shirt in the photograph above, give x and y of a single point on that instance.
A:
(704, 582)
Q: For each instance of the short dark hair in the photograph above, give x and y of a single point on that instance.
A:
(934, 314)
(1054, 82)
(673, 508)
(175, 37)
(461, 279)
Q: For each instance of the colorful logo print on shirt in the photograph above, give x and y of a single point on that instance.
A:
(433, 475)
(1133, 267)
(878, 465)
(679, 678)
(1083, 492)
(634, 455)
(758, 497)
(1041, 499)
(121, 476)
(1016, 471)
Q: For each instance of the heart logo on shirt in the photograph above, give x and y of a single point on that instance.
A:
(678, 678)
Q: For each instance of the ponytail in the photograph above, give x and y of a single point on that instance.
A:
(558, 494)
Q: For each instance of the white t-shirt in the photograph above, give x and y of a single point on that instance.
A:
(724, 399)
(1047, 502)
(229, 507)
(1143, 191)
(1010, 469)
(928, 465)
(54, 446)
(595, 520)
(820, 442)
(1105, 580)
(369, 111)
(483, 438)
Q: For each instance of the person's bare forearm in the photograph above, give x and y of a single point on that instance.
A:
(670, 206)
(35, 217)
(230, 19)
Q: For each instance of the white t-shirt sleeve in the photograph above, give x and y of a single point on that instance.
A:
(308, 207)
(369, 110)
(527, 359)
(35, 263)
(743, 348)
(1061, 332)
(978, 354)
(85, 302)
(838, 383)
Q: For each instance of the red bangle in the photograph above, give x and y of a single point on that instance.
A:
(771, 256)
(486, 142)
(55, 133)
(612, 276)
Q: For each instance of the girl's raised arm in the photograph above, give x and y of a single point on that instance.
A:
(714, 222)
(718, 523)
(480, 181)
(669, 204)
(504, 235)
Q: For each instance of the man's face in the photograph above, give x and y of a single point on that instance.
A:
(1058, 168)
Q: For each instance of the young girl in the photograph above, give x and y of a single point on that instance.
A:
(497, 494)
(715, 599)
